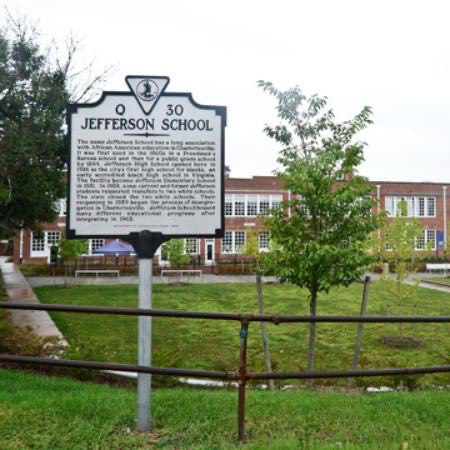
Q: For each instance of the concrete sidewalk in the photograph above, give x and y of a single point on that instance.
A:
(19, 290)
(203, 279)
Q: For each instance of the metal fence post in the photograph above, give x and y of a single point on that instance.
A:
(242, 379)
(359, 332)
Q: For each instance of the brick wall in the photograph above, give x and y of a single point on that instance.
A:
(439, 222)
(269, 185)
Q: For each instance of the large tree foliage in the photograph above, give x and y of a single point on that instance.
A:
(35, 88)
(320, 235)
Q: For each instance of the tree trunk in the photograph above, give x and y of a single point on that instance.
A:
(360, 329)
(265, 339)
(65, 276)
(399, 298)
(312, 337)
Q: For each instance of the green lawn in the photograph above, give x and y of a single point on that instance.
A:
(42, 412)
(205, 344)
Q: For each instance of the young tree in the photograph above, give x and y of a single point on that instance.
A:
(400, 238)
(35, 88)
(71, 250)
(176, 252)
(251, 248)
(320, 233)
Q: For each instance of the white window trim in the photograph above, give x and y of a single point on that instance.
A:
(233, 250)
(416, 248)
(425, 238)
(38, 253)
(224, 252)
(90, 250)
(46, 252)
(263, 249)
(232, 198)
(391, 205)
(197, 246)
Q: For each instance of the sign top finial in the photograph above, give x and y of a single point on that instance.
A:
(147, 90)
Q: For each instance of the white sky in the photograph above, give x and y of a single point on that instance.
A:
(391, 55)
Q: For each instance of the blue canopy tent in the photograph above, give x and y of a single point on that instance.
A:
(115, 248)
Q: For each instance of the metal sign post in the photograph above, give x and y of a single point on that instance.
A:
(145, 165)
(145, 244)
(144, 346)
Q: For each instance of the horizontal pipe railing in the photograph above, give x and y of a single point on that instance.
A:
(222, 316)
(346, 374)
(172, 371)
(242, 376)
(80, 364)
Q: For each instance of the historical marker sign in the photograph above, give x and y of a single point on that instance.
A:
(146, 159)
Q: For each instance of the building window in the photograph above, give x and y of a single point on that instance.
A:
(431, 239)
(94, 244)
(264, 204)
(427, 240)
(410, 201)
(239, 240)
(239, 205)
(276, 201)
(42, 242)
(191, 246)
(227, 242)
(389, 205)
(421, 206)
(233, 241)
(228, 205)
(263, 241)
(430, 206)
(252, 205)
(164, 255)
(38, 242)
(416, 206)
(53, 238)
(420, 241)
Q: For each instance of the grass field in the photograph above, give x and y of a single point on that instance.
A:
(205, 344)
(42, 412)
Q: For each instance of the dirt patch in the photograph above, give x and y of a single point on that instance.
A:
(400, 342)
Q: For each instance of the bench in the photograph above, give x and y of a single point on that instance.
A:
(180, 275)
(438, 267)
(96, 272)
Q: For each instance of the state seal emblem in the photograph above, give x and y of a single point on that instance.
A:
(147, 90)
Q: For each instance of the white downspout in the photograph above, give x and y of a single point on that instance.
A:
(444, 199)
(379, 205)
(21, 246)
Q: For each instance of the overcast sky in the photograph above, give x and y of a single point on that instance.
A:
(391, 55)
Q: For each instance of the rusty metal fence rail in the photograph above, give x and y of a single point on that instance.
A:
(242, 375)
